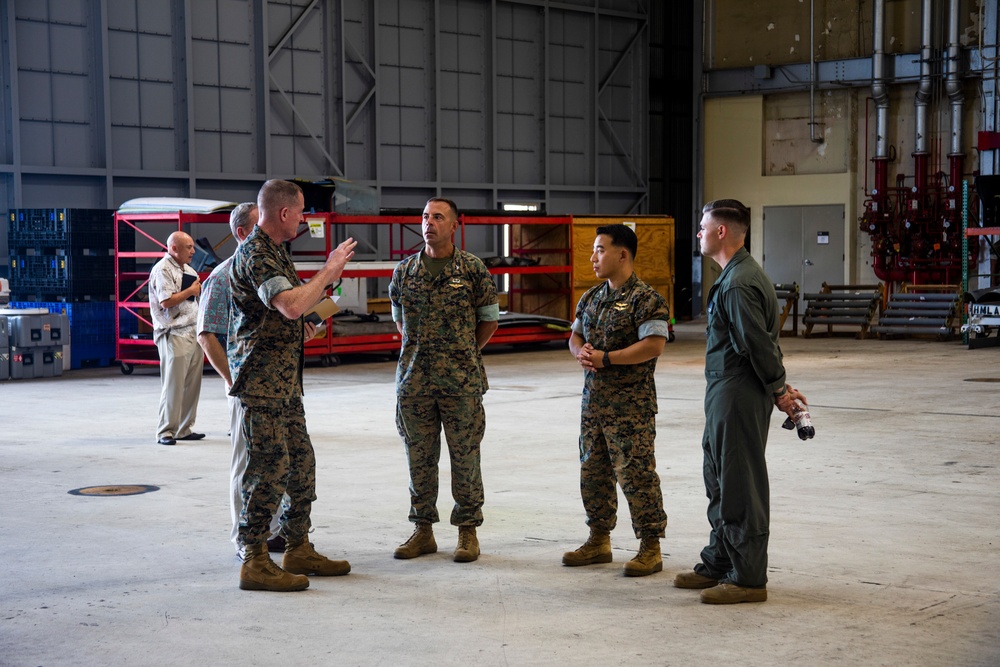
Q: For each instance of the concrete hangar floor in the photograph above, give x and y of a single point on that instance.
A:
(884, 528)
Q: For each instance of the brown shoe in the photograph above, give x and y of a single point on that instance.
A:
(302, 558)
(597, 549)
(647, 561)
(259, 573)
(692, 579)
(726, 593)
(421, 542)
(468, 545)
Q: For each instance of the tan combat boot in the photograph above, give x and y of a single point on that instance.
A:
(597, 549)
(259, 573)
(692, 579)
(647, 561)
(726, 593)
(301, 558)
(468, 545)
(421, 542)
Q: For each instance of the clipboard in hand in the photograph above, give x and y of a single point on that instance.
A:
(321, 312)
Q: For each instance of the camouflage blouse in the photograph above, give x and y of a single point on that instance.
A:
(440, 355)
(265, 347)
(611, 320)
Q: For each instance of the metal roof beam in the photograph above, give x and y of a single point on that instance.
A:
(830, 74)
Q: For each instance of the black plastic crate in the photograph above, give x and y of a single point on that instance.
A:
(71, 229)
(62, 278)
(37, 269)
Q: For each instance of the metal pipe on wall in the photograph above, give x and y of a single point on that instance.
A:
(812, 74)
(923, 97)
(880, 93)
(953, 86)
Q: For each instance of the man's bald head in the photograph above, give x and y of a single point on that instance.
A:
(180, 246)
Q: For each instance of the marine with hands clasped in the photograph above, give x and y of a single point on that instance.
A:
(619, 331)
(444, 303)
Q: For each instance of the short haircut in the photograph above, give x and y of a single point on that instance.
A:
(277, 194)
(450, 203)
(621, 236)
(240, 218)
(729, 211)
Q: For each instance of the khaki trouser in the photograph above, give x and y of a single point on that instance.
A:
(182, 363)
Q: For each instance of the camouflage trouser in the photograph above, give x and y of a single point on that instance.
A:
(619, 447)
(280, 459)
(419, 421)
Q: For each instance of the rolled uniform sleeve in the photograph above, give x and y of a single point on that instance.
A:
(489, 313)
(272, 287)
(485, 295)
(654, 328)
(652, 314)
(269, 278)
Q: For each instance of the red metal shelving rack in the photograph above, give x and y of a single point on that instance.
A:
(137, 348)
(134, 349)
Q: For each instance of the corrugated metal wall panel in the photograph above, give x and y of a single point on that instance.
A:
(488, 101)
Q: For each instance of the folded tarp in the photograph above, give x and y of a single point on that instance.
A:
(174, 204)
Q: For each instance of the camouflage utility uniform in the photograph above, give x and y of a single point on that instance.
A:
(440, 379)
(744, 370)
(265, 360)
(618, 416)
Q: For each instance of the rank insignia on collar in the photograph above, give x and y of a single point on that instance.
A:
(456, 283)
(620, 306)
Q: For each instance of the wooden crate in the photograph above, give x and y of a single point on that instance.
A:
(654, 259)
(546, 294)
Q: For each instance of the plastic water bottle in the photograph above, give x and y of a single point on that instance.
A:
(801, 423)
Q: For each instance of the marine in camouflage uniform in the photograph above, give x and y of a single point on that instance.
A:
(266, 358)
(444, 303)
(265, 352)
(618, 412)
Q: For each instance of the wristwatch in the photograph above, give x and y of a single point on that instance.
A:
(607, 359)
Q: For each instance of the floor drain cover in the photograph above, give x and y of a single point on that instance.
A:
(982, 379)
(116, 490)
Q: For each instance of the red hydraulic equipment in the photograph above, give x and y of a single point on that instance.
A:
(916, 231)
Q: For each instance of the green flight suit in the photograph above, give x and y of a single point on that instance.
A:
(743, 370)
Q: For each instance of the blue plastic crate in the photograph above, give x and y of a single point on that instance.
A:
(91, 355)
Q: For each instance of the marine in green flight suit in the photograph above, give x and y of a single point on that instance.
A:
(745, 380)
